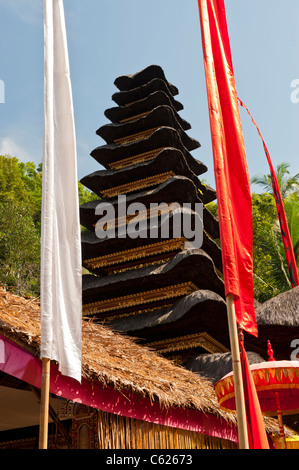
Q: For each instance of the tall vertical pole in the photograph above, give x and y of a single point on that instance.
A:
(44, 405)
(237, 371)
(279, 416)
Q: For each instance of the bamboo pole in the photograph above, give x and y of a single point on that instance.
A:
(279, 416)
(237, 371)
(44, 406)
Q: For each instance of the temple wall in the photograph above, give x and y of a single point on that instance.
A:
(118, 432)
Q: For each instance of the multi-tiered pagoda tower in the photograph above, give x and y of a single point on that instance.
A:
(166, 291)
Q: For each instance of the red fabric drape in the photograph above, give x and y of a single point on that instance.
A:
(257, 436)
(230, 166)
(25, 366)
(284, 228)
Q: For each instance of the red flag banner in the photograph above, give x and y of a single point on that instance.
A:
(230, 166)
(257, 436)
(284, 228)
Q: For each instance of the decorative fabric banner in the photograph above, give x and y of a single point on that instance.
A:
(230, 166)
(61, 273)
(25, 366)
(257, 436)
(268, 377)
(284, 228)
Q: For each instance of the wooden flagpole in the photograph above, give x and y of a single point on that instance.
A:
(44, 405)
(237, 371)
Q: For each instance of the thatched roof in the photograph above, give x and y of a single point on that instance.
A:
(168, 160)
(215, 366)
(176, 189)
(201, 311)
(161, 138)
(282, 310)
(158, 98)
(193, 266)
(159, 116)
(114, 360)
(123, 98)
(277, 321)
(127, 82)
(93, 247)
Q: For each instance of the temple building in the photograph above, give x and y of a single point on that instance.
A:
(154, 284)
(163, 290)
(154, 322)
(129, 396)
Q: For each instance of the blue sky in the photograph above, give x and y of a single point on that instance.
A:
(108, 38)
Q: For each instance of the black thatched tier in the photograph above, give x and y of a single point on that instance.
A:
(158, 98)
(116, 156)
(176, 189)
(169, 162)
(216, 366)
(128, 82)
(150, 287)
(105, 255)
(200, 311)
(133, 130)
(278, 321)
(123, 98)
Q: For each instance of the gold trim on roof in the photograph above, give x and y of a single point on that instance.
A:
(137, 185)
(138, 311)
(136, 253)
(136, 137)
(133, 102)
(133, 160)
(141, 215)
(139, 264)
(203, 340)
(133, 118)
(139, 298)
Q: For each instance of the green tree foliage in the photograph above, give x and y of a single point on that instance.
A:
(291, 206)
(271, 275)
(268, 246)
(287, 184)
(20, 224)
(19, 248)
(85, 195)
(20, 220)
(270, 268)
(20, 199)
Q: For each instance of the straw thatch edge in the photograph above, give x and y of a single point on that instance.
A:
(118, 361)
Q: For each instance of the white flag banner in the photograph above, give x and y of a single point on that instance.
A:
(61, 274)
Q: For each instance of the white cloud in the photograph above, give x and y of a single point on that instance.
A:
(30, 11)
(10, 147)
